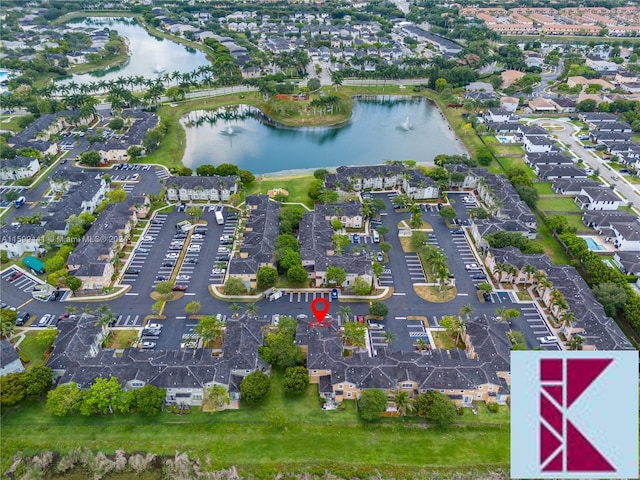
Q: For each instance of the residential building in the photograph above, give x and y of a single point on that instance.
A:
(257, 243)
(509, 77)
(18, 167)
(9, 359)
(597, 198)
(625, 236)
(349, 214)
(628, 262)
(551, 172)
(215, 188)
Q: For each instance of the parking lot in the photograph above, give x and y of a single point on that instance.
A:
(405, 333)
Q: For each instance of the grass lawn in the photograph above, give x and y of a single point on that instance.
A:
(503, 415)
(406, 244)
(544, 188)
(296, 185)
(121, 338)
(502, 149)
(551, 246)
(246, 439)
(558, 204)
(10, 122)
(443, 340)
(576, 221)
(516, 162)
(33, 349)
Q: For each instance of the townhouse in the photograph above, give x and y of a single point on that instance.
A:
(378, 177)
(480, 372)
(551, 172)
(597, 198)
(92, 261)
(572, 186)
(215, 188)
(601, 220)
(317, 250)
(349, 214)
(257, 242)
(628, 262)
(18, 167)
(116, 149)
(9, 359)
(625, 236)
(599, 331)
(77, 356)
(534, 159)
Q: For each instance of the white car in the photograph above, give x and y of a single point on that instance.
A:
(183, 277)
(548, 339)
(472, 266)
(147, 238)
(147, 345)
(193, 248)
(197, 236)
(218, 271)
(154, 326)
(375, 326)
(172, 255)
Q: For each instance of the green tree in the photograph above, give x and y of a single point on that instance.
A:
(218, 396)
(54, 264)
(47, 336)
(7, 322)
(91, 158)
(404, 403)
(11, 196)
(436, 407)
(289, 258)
(116, 195)
(193, 307)
(313, 84)
(612, 297)
(279, 347)
(64, 399)
(296, 380)
(361, 286)
(267, 276)
(206, 171)
(74, 283)
(234, 286)
(448, 213)
(103, 397)
(194, 212)
(340, 242)
(372, 404)
(12, 389)
(418, 239)
(149, 399)
(254, 387)
(209, 329)
(378, 309)
(335, 275)
(385, 246)
(297, 274)
(37, 381)
(164, 288)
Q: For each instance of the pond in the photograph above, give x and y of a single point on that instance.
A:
(389, 128)
(149, 56)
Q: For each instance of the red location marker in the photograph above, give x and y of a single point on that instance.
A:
(320, 311)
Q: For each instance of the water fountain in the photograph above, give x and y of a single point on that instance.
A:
(406, 125)
(159, 69)
(229, 130)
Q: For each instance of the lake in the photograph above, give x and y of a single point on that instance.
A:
(383, 129)
(148, 55)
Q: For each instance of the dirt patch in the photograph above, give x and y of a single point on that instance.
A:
(431, 293)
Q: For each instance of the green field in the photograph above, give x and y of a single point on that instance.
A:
(551, 246)
(296, 185)
(246, 438)
(32, 348)
(508, 163)
(558, 204)
(544, 188)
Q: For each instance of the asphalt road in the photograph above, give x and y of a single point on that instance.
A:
(567, 133)
(134, 306)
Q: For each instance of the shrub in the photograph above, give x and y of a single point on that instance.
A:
(493, 407)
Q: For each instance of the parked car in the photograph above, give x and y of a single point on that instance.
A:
(302, 316)
(143, 250)
(183, 277)
(22, 318)
(379, 257)
(191, 260)
(375, 326)
(479, 276)
(161, 278)
(147, 238)
(179, 288)
(63, 316)
(356, 238)
(457, 231)
(197, 236)
(44, 319)
(547, 340)
(472, 266)
(182, 207)
(132, 271)
(156, 221)
(15, 276)
(232, 216)
(169, 264)
(223, 258)
(147, 345)
(3, 305)
(486, 296)
(359, 318)
(151, 332)
(334, 293)
(193, 248)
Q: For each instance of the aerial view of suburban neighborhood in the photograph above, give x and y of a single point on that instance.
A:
(255, 239)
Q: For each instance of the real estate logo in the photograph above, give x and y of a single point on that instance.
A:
(574, 414)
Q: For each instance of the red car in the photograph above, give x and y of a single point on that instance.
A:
(360, 318)
(63, 316)
(15, 276)
(179, 288)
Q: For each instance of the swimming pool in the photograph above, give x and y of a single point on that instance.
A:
(592, 244)
(503, 139)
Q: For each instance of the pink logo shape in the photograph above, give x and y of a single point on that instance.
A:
(563, 448)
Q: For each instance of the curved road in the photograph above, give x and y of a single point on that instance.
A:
(566, 132)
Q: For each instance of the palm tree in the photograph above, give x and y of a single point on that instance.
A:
(576, 342)
(466, 310)
(568, 317)
(501, 313)
(543, 285)
(251, 310)
(87, 309)
(404, 403)
(422, 344)
(530, 271)
(235, 308)
(7, 328)
(389, 337)
(71, 309)
(344, 312)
